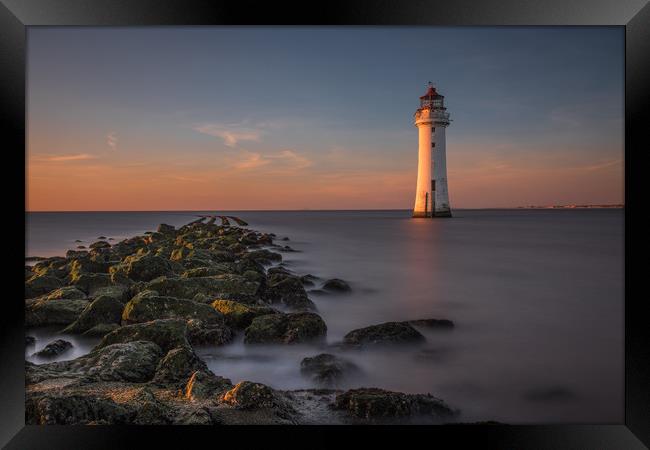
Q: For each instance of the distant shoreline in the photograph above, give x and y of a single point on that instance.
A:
(616, 206)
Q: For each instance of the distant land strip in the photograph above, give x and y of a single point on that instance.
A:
(570, 206)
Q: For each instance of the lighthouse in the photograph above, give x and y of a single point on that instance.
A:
(431, 120)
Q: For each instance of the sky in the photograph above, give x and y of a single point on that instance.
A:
(260, 118)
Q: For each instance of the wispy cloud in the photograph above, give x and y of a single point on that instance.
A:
(231, 134)
(111, 140)
(59, 158)
(281, 162)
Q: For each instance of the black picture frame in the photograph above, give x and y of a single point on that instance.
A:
(16, 15)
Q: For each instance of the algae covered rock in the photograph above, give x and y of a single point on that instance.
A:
(147, 306)
(178, 365)
(204, 384)
(384, 334)
(249, 395)
(290, 292)
(229, 286)
(42, 312)
(166, 333)
(326, 369)
(41, 284)
(239, 315)
(374, 403)
(144, 267)
(208, 333)
(102, 310)
(285, 328)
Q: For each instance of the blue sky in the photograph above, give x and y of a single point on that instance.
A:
(324, 115)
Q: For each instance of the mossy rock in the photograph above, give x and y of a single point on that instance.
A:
(166, 333)
(144, 267)
(148, 305)
(102, 310)
(41, 284)
(227, 286)
(239, 315)
(285, 328)
(388, 333)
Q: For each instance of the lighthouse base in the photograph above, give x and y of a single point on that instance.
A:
(421, 214)
(442, 213)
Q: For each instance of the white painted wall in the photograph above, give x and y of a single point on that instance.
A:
(423, 187)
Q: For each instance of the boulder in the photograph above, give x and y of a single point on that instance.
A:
(148, 305)
(54, 348)
(336, 285)
(200, 332)
(285, 328)
(66, 292)
(249, 395)
(166, 333)
(374, 403)
(134, 361)
(144, 267)
(90, 283)
(43, 312)
(101, 330)
(290, 292)
(41, 284)
(326, 369)
(265, 257)
(100, 244)
(383, 334)
(117, 291)
(178, 365)
(102, 310)
(204, 384)
(166, 229)
(229, 286)
(239, 315)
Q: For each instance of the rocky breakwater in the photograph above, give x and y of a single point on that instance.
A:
(151, 299)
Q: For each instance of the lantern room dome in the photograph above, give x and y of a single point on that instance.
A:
(431, 93)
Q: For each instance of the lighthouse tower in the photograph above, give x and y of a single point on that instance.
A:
(431, 194)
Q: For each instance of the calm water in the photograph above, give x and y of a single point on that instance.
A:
(537, 298)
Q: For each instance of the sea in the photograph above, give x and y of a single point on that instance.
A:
(536, 296)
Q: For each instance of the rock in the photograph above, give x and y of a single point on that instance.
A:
(144, 267)
(90, 283)
(56, 408)
(203, 333)
(116, 291)
(308, 280)
(148, 305)
(100, 244)
(385, 333)
(102, 238)
(204, 384)
(290, 292)
(54, 348)
(78, 240)
(265, 257)
(166, 333)
(336, 285)
(326, 369)
(41, 312)
(30, 341)
(239, 315)
(285, 328)
(66, 292)
(166, 229)
(232, 287)
(101, 330)
(131, 361)
(41, 284)
(249, 395)
(178, 365)
(374, 403)
(103, 310)
(81, 247)
(432, 323)
(76, 254)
